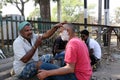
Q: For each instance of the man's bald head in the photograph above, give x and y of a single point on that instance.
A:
(69, 26)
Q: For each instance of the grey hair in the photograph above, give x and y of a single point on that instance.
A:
(69, 25)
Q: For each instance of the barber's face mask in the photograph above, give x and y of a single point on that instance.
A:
(64, 35)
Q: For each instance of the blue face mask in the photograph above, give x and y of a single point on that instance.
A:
(64, 35)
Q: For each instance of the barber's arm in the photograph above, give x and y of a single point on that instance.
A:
(69, 68)
(31, 52)
(51, 31)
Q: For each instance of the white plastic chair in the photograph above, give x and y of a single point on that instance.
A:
(2, 55)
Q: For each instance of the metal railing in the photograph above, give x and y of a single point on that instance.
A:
(9, 32)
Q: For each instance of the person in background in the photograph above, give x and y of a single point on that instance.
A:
(93, 47)
(26, 60)
(76, 58)
(59, 49)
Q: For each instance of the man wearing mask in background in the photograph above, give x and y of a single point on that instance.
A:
(59, 49)
(76, 57)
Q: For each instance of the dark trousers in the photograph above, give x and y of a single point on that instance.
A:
(94, 59)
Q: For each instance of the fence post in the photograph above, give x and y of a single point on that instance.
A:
(7, 33)
(2, 36)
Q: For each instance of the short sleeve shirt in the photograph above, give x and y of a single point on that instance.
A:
(77, 52)
(20, 47)
(93, 44)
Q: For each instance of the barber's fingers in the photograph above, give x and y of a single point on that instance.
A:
(42, 74)
(65, 22)
(58, 25)
(39, 38)
(41, 71)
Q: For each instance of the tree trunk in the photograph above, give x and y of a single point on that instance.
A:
(45, 9)
(59, 10)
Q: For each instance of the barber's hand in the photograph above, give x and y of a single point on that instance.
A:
(58, 25)
(38, 41)
(64, 22)
(42, 74)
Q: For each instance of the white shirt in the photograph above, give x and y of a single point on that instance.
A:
(20, 47)
(93, 44)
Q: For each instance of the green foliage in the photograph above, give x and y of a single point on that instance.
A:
(18, 3)
(15, 1)
(35, 13)
(117, 15)
(54, 14)
(36, 2)
(0, 6)
(72, 11)
(2, 3)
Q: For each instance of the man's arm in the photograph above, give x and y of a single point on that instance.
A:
(30, 53)
(69, 68)
(51, 31)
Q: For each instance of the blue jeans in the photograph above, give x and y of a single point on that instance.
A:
(60, 56)
(30, 71)
(48, 66)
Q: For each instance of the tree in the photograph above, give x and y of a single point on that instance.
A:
(117, 15)
(20, 4)
(35, 13)
(68, 8)
(0, 6)
(58, 9)
(72, 11)
(44, 9)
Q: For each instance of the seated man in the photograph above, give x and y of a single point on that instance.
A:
(76, 57)
(93, 47)
(26, 60)
(59, 49)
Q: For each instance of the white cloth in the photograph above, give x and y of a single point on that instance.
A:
(93, 44)
(2, 54)
(20, 47)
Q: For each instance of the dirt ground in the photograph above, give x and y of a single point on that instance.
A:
(109, 68)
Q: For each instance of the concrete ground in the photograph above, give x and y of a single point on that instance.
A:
(5, 68)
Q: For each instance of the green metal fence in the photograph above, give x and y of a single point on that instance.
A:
(9, 32)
